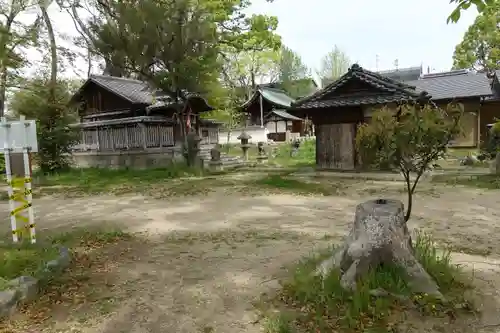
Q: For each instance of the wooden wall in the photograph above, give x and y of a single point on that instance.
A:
(489, 111)
(97, 100)
(335, 146)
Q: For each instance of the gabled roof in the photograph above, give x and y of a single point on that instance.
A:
(282, 114)
(386, 90)
(274, 96)
(137, 92)
(134, 91)
(454, 84)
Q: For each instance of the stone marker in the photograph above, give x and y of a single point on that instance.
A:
(262, 156)
(215, 161)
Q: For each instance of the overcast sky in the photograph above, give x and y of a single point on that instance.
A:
(414, 32)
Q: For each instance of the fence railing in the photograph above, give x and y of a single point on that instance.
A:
(135, 137)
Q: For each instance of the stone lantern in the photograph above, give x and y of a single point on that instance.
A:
(244, 137)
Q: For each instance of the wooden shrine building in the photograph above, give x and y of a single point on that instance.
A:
(340, 107)
(126, 117)
(267, 107)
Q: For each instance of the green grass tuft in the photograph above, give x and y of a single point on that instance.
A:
(484, 181)
(24, 259)
(315, 305)
(286, 183)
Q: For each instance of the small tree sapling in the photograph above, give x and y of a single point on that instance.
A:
(410, 139)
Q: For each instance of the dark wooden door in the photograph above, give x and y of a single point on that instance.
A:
(335, 146)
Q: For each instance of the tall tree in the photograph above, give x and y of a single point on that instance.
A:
(180, 53)
(243, 71)
(15, 37)
(294, 75)
(291, 66)
(480, 47)
(333, 65)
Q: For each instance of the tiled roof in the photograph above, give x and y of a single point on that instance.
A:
(139, 92)
(274, 96)
(455, 84)
(132, 90)
(386, 90)
(403, 74)
(283, 114)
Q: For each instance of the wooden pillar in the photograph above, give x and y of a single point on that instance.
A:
(478, 143)
(143, 128)
(261, 111)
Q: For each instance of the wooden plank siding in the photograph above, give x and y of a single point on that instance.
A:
(335, 147)
(137, 136)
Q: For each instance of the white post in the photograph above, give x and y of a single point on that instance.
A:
(261, 111)
(8, 176)
(27, 183)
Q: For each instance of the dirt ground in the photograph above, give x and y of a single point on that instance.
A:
(209, 258)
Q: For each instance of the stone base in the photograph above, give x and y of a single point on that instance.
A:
(215, 166)
(262, 159)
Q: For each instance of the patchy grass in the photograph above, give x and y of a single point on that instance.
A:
(461, 152)
(280, 153)
(284, 182)
(306, 155)
(177, 180)
(24, 259)
(486, 181)
(308, 304)
(101, 179)
(82, 290)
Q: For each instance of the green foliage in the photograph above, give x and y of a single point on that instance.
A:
(24, 259)
(479, 48)
(309, 303)
(481, 5)
(410, 139)
(182, 52)
(55, 136)
(285, 183)
(333, 65)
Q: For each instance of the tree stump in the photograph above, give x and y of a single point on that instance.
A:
(379, 235)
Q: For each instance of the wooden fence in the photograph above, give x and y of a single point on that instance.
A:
(135, 137)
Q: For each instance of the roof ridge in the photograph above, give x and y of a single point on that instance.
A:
(274, 89)
(117, 78)
(359, 72)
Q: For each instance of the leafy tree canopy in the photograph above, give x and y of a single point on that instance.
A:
(333, 65)
(410, 140)
(462, 5)
(181, 52)
(480, 47)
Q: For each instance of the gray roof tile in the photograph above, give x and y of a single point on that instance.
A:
(140, 92)
(454, 85)
(387, 90)
(132, 90)
(283, 114)
(403, 74)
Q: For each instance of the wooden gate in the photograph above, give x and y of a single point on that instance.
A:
(335, 146)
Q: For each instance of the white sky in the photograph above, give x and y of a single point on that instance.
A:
(414, 32)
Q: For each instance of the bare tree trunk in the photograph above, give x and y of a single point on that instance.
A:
(4, 41)
(53, 49)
